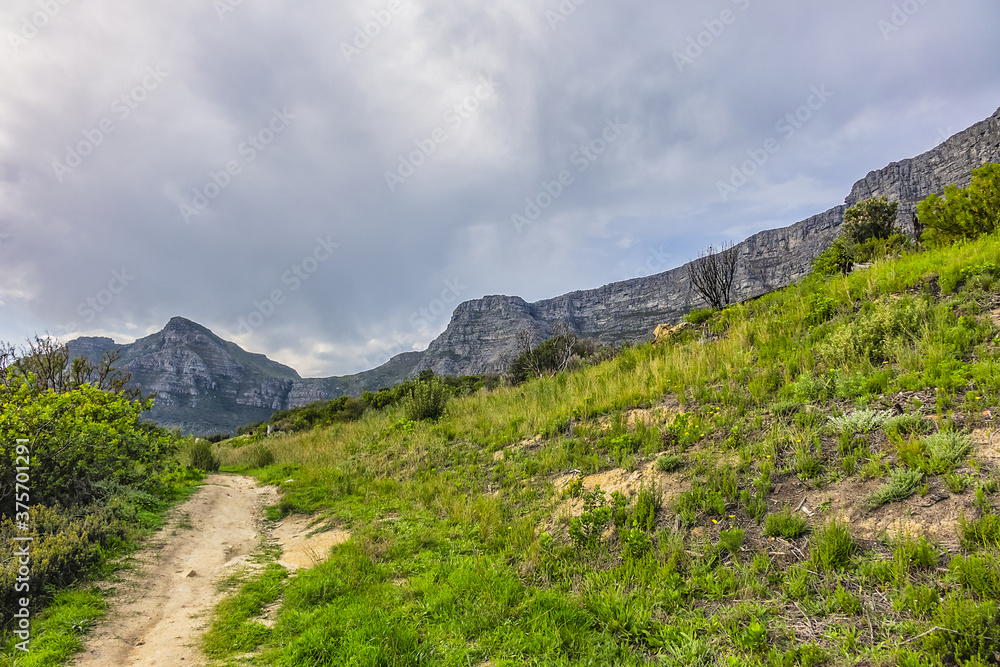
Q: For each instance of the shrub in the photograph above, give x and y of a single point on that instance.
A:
(984, 531)
(879, 327)
(946, 449)
(832, 546)
(202, 456)
(837, 258)
(428, 400)
(699, 316)
(968, 630)
(669, 463)
(785, 524)
(731, 540)
(260, 455)
(900, 484)
(964, 213)
(63, 549)
(79, 438)
(860, 421)
(870, 219)
(905, 425)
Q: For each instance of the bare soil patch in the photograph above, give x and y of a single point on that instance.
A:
(304, 543)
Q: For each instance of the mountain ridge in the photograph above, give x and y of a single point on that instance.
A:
(205, 384)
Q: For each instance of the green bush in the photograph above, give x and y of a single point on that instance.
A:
(63, 549)
(699, 316)
(78, 439)
(946, 450)
(877, 328)
(669, 463)
(860, 421)
(969, 630)
(964, 213)
(785, 524)
(428, 400)
(901, 484)
(202, 456)
(870, 219)
(832, 546)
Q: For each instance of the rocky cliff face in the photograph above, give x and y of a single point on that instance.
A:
(482, 332)
(206, 385)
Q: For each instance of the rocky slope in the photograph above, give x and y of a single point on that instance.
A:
(205, 384)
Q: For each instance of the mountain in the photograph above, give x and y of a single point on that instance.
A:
(205, 384)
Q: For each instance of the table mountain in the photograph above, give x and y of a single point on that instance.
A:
(205, 384)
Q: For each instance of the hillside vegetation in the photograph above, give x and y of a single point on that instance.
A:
(808, 478)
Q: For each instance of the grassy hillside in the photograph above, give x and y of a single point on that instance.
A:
(810, 478)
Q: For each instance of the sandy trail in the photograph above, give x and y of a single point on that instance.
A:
(163, 606)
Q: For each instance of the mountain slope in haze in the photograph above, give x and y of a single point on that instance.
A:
(206, 384)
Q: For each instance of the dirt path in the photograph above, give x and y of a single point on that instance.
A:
(163, 606)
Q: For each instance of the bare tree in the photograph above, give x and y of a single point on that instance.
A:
(47, 362)
(712, 274)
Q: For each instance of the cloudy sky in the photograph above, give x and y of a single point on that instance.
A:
(323, 182)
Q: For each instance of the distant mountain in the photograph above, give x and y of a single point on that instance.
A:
(206, 385)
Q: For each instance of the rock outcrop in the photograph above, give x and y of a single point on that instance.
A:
(205, 384)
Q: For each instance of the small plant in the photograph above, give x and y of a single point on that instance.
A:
(796, 584)
(860, 421)
(902, 483)
(785, 524)
(647, 504)
(919, 553)
(586, 530)
(699, 316)
(921, 601)
(731, 540)
(669, 463)
(807, 464)
(904, 425)
(984, 531)
(786, 408)
(847, 602)
(955, 483)
(575, 487)
(946, 449)
(832, 546)
(203, 457)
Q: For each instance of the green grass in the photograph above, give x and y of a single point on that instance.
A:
(57, 633)
(460, 556)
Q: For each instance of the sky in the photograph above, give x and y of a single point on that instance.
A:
(324, 182)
